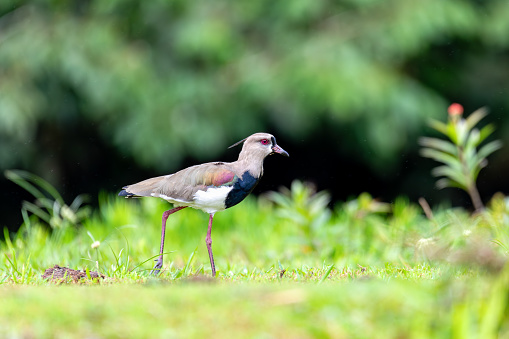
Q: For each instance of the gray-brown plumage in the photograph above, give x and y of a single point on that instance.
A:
(210, 187)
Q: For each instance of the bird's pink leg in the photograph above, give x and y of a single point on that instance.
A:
(159, 263)
(208, 240)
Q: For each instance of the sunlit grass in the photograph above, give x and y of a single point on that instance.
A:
(286, 262)
(353, 308)
(292, 230)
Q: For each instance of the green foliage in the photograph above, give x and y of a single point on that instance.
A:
(305, 208)
(281, 262)
(181, 73)
(121, 238)
(49, 205)
(462, 157)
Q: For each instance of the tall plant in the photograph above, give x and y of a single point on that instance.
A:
(461, 155)
(49, 206)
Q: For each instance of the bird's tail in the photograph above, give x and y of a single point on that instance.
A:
(124, 193)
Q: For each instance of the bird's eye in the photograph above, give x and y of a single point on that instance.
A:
(264, 141)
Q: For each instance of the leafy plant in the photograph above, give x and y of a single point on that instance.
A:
(305, 207)
(462, 158)
(49, 205)
(365, 205)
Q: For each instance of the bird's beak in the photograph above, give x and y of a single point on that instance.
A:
(279, 150)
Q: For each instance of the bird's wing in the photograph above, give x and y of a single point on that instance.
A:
(181, 186)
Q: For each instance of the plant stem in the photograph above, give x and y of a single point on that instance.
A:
(471, 188)
(476, 199)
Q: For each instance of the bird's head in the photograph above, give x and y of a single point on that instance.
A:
(260, 145)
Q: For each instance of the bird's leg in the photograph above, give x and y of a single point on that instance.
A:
(208, 240)
(159, 260)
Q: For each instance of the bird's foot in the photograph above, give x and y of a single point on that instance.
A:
(157, 268)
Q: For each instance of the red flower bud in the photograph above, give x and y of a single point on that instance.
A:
(455, 109)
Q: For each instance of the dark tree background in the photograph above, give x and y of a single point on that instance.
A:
(97, 94)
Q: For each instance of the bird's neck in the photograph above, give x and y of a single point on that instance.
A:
(253, 163)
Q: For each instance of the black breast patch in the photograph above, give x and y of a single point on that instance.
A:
(241, 189)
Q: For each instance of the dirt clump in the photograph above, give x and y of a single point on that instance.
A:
(65, 274)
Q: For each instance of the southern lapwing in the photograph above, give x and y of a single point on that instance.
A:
(210, 187)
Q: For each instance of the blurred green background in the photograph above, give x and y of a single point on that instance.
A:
(98, 94)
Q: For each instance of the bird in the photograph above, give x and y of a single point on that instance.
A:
(210, 187)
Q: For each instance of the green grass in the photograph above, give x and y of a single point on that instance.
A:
(288, 267)
(352, 308)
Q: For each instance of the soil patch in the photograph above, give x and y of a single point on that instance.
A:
(65, 274)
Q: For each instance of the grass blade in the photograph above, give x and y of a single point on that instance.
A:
(327, 273)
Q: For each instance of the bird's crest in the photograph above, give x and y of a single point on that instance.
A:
(237, 143)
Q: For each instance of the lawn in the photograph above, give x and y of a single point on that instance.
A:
(289, 266)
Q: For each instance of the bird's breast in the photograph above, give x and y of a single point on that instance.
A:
(241, 189)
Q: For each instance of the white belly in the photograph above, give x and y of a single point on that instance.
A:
(211, 200)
